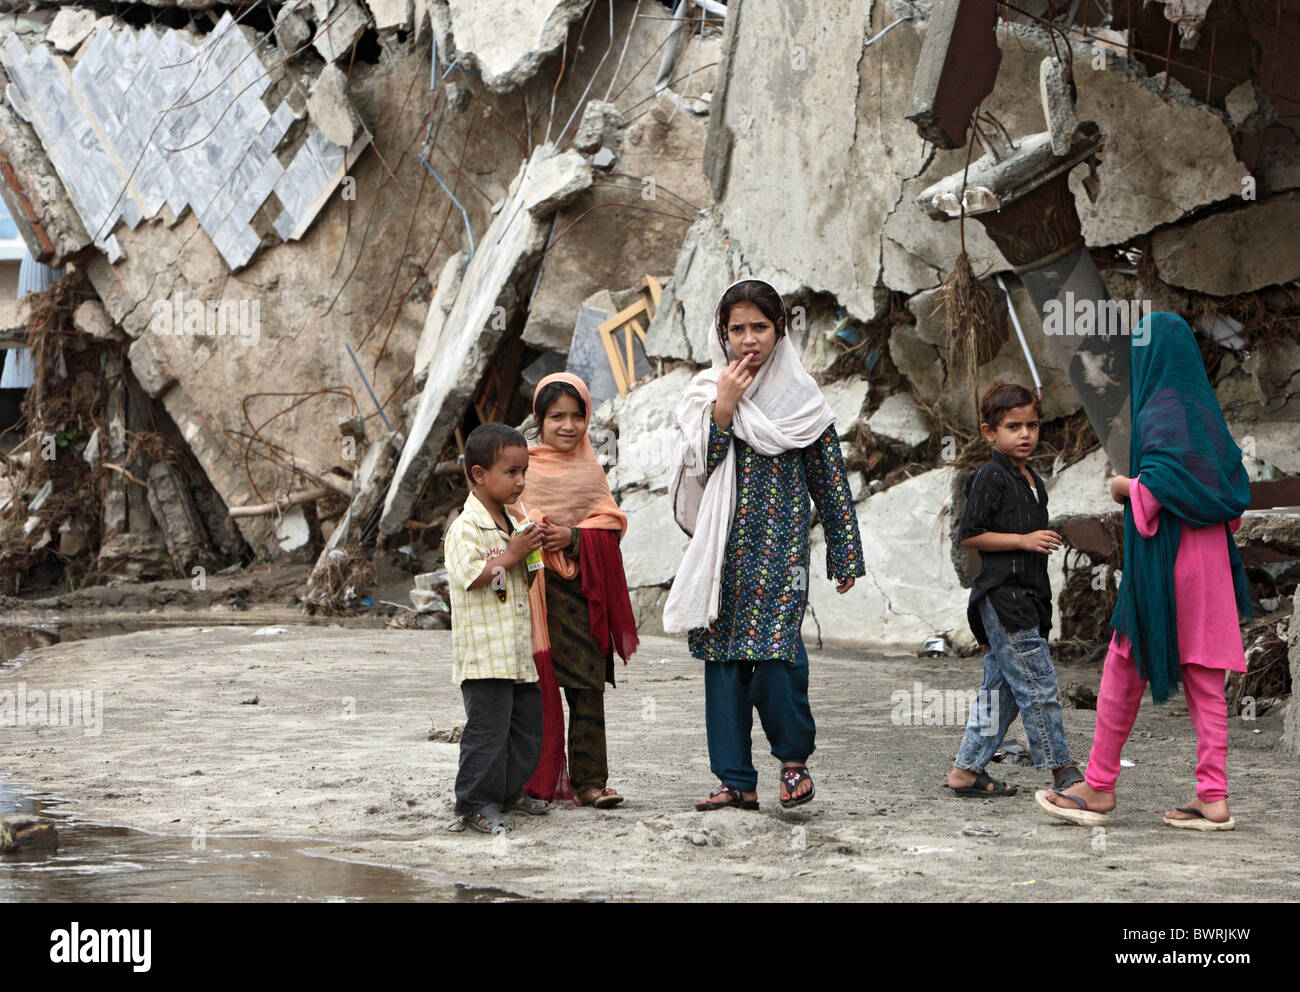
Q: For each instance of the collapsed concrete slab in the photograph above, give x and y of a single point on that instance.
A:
(647, 429)
(899, 419)
(489, 300)
(449, 280)
(654, 545)
(1264, 252)
(846, 398)
(707, 264)
(508, 58)
(911, 590)
(625, 227)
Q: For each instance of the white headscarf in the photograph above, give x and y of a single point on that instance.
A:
(782, 409)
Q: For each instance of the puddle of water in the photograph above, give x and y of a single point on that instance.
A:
(96, 863)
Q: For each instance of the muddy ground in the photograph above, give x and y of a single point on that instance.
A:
(337, 746)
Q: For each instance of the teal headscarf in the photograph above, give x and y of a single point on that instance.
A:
(1188, 460)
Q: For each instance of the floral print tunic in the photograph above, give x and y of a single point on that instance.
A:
(765, 575)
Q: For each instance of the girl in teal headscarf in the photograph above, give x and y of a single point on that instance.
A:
(1183, 582)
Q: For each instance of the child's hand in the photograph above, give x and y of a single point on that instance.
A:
(555, 537)
(1119, 488)
(844, 585)
(731, 387)
(525, 542)
(1042, 541)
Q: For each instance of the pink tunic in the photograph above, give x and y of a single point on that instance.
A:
(1208, 631)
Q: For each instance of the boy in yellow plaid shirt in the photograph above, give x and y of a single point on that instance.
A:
(491, 635)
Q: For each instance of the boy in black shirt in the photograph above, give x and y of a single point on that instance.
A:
(1011, 601)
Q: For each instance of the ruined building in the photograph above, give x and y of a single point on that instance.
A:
(306, 246)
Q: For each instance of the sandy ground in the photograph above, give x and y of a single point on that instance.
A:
(336, 747)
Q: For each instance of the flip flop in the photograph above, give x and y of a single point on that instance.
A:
(1202, 822)
(1083, 816)
(979, 789)
(791, 778)
(735, 798)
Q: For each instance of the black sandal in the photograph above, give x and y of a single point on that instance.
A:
(980, 788)
(791, 778)
(1066, 777)
(736, 798)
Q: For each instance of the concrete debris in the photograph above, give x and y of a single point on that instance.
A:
(1265, 249)
(653, 545)
(847, 398)
(170, 503)
(1082, 489)
(449, 280)
(604, 159)
(219, 157)
(706, 263)
(898, 419)
(70, 27)
(1135, 116)
(610, 241)
(507, 58)
(338, 25)
(1189, 15)
(911, 589)
(458, 97)
(91, 318)
(1058, 104)
(557, 180)
(137, 556)
(647, 429)
(331, 110)
(955, 70)
(1249, 107)
(292, 29)
(599, 121)
(489, 298)
(391, 14)
(918, 351)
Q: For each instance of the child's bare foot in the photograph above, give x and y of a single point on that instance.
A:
(1098, 802)
(1215, 812)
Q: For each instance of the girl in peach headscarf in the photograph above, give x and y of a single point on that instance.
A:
(580, 606)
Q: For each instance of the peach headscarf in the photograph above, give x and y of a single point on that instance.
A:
(568, 488)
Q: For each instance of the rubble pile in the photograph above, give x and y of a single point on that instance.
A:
(328, 239)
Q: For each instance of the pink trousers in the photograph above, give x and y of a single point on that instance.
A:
(1117, 706)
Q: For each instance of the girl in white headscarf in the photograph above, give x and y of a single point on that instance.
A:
(755, 440)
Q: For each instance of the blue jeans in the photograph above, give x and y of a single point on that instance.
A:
(779, 691)
(1018, 674)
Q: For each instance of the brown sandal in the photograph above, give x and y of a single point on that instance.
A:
(599, 798)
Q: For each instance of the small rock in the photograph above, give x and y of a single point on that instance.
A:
(978, 830)
(451, 736)
(604, 159)
(21, 832)
(250, 701)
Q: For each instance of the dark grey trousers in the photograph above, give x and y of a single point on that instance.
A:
(501, 743)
